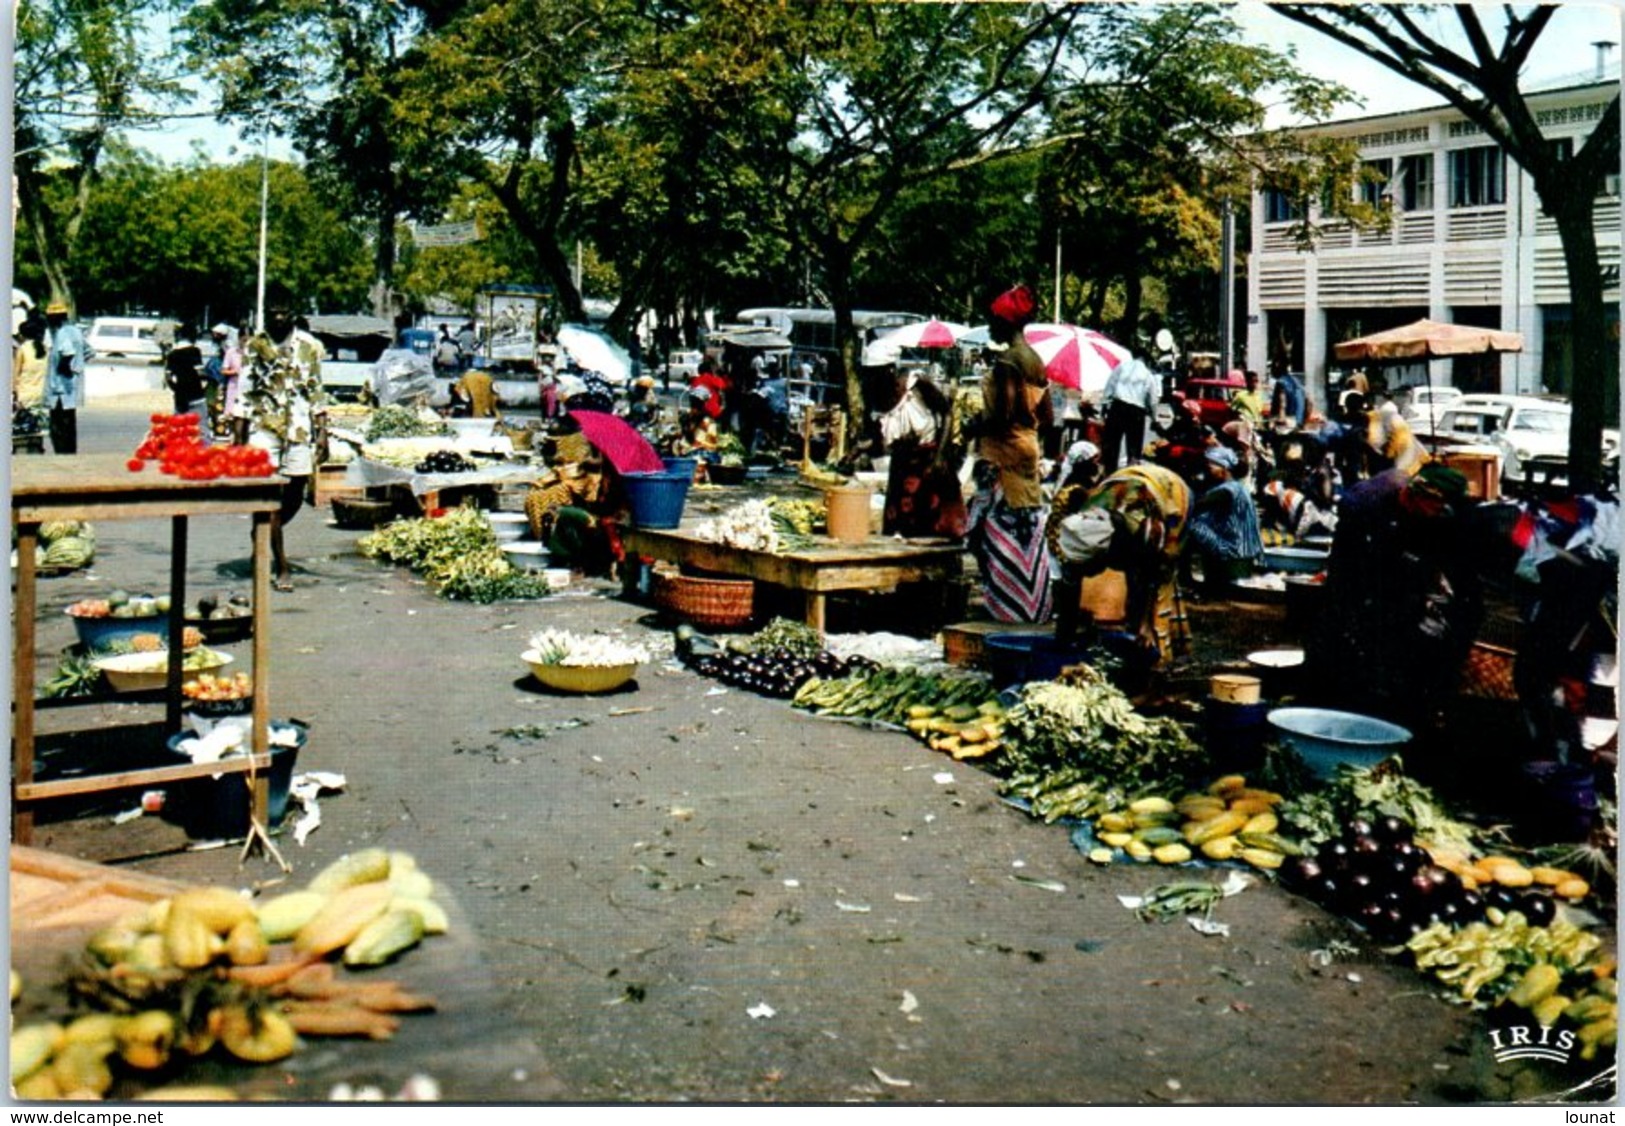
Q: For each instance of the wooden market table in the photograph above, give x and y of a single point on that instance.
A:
(831, 566)
(93, 487)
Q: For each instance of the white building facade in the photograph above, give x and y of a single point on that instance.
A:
(1468, 243)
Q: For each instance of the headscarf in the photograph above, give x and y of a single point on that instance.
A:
(1015, 306)
(1220, 455)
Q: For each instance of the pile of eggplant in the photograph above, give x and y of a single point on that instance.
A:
(1378, 876)
(776, 672)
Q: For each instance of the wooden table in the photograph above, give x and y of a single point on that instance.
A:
(93, 487)
(831, 566)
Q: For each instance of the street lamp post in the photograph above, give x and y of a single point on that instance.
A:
(265, 206)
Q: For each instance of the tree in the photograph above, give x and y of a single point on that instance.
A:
(81, 74)
(329, 76)
(1482, 82)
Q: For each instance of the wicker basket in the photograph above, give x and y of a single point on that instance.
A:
(715, 603)
(1487, 672)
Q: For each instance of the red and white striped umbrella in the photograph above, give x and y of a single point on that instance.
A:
(885, 349)
(1079, 358)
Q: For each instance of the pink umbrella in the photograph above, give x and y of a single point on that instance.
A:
(885, 349)
(619, 441)
(1074, 357)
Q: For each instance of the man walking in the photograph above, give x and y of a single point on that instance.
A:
(65, 378)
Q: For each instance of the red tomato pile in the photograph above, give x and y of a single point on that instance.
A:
(175, 442)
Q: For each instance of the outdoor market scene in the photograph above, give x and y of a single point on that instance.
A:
(1139, 677)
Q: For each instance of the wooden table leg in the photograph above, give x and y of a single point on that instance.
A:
(815, 610)
(22, 681)
(177, 623)
(260, 651)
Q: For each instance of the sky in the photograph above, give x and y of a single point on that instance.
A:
(1566, 48)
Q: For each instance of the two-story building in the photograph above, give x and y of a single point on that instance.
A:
(1467, 243)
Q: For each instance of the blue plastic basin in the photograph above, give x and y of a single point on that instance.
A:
(1327, 739)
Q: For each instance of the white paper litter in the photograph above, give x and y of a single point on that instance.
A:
(855, 908)
(888, 1080)
(760, 1011)
(910, 1003)
(1132, 902)
(303, 789)
(1202, 925)
(943, 778)
(127, 815)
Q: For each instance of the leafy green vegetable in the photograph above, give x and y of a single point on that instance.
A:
(403, 422)
(1088, 724)
(458, 553)
(1383, 790)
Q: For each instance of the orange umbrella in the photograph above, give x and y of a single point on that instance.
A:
(1425, 340)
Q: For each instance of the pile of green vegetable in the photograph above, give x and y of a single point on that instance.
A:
(1084, 727)
(458, 553)
(1374, 793)
(403, 422)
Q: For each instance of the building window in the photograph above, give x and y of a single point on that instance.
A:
(1415, 188)
(1376, 177)
(1280, 207)
(1478, 177)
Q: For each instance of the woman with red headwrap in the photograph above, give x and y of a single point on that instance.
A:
(1007, 515)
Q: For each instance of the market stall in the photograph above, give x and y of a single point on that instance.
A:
(818, 570)
(102, 487)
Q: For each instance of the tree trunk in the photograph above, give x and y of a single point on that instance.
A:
(1128, 330)
(383, 261)
(1593, 363)
(845, 369)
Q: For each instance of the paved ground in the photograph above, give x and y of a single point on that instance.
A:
(675, 894)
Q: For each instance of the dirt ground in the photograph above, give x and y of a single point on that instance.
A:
(675, 893)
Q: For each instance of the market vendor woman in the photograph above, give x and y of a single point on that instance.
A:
(577, 510)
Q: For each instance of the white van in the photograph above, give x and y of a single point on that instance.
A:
(126, 336)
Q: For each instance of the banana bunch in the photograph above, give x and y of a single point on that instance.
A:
(890, 695)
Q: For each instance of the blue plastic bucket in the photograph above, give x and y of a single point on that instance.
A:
(688, 465)
(1327, 739)
(212, 809)
(1016, 658)
(657, 499)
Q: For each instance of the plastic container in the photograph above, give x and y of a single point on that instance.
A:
(1294, 560)
(97, 634)
(657, 499)
(1234, 734)
(688, 465)
(848, 512)
(1327, 739)
(212, 809)
(508, 526)
(1016, 658)
(527, 555)
(1235, 688)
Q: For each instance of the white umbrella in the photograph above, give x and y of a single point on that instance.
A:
(594, 350)
(886, 348)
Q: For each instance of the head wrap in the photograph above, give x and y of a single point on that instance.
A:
(1084, 536)
(1220, 455)
(700, 394)
(1081, 451)
(56, 308)
(1015, 306)
(221, 329)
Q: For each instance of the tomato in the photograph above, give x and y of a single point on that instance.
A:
(135, 465)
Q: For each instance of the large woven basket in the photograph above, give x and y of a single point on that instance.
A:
(716, 603)
(1487, 672)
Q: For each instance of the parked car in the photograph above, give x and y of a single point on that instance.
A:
(1212, 397)
(127, 336)
(1526, 429)
(1428, 404)
(682, 366)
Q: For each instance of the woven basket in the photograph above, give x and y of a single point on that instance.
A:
(716, 603)
(1487, 672)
